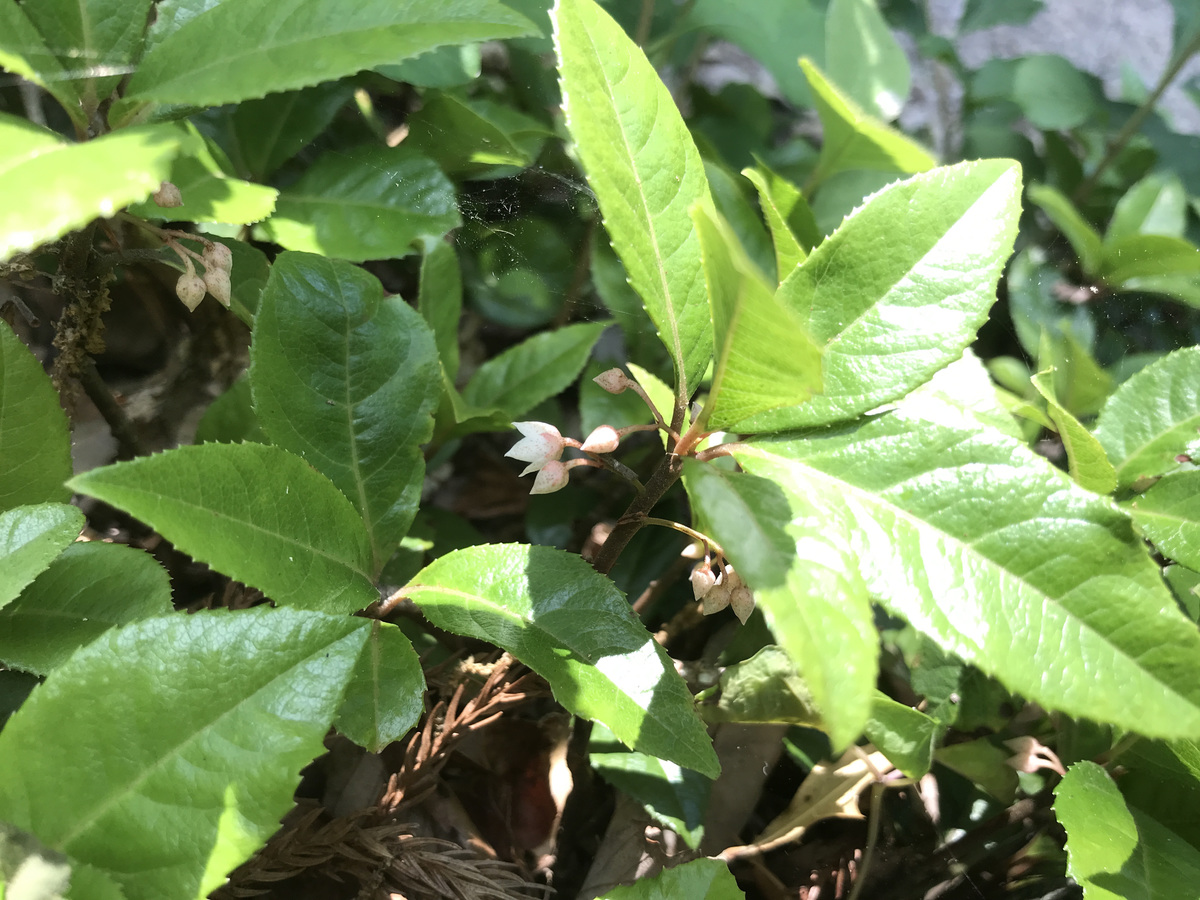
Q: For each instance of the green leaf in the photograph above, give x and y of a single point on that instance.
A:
(35, 444)
(700, 879)
(673, 796)
(774, 32)
(764, 357)
(23, 52)
(95, 41)
(534, 370)
(1147, 256)
(135, 749)
(1080, 383)
(980, 14)
(1155, 205)
(855, 140)
(469, 138)
(1084, 239)
(1052, 93)
(1116, 851)
(948, 524)
(807, 585)
(386, 693)
(734, 204)
(764, 689)
(30, 537)
(889, 321)
(256, 513)
(239, 51)
(864, 59)
(209, 193)
(571, 625)
(1086, 460)
(264, 134)
(365, 203)
(793, 229)
(904, 735)
(646, 172)
(349, 380)
(51, 186)
(90, 587)
(1169, 515)
(983, 763)
(439, 300)
(1164, 780)
(450, 66)
(230, 418)
(1153, 417)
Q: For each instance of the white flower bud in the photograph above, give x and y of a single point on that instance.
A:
(550, 478)
(702, 580)
(741, 601)
(694, 550)
(540, 444)
(190, 289)
(603, 440)
(167, 196)
(217, 282)
(218, 256)
(716, 599)
(614, 381)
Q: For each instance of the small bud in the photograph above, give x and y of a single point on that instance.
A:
(716, 599)
(540, 443)
(694, 550)
(550, 478)
(614, 381)
(702, 580)
(167, 196)
(741, 601)
(190, 289)
(218, 256)
(603, 440)
(217, 282)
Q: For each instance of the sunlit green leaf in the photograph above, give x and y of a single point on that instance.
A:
(1169, 515)
(385, 695)
(864, 59)
(1085, 455)
(700, 879)
(30, 537)
(1084, 239)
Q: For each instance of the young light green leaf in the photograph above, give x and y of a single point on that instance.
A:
(1169, 515)
(35, 444)
(155, 716)
(534, 370)
(23, 52)
(1155, 205)
(700, 879)
(209, 192)
(94, 40)
(855, 140)
(935, 514)
(793, 229)
(764, 357)
(1081, 384)
(673, 796)
(904, 735)
(385, 695)
(864, 59)
(349, 380)
(254, 512)
(30, 537)
(808, 586)
(1147, 256)
(888, 326)
(1084, 239)
(90, 587)
(365, 203)
(764, 689)
(240, 51)
(51, 186)
(1086, 460)
(1116, 851)
(646, 172)
(571, 625)
(439, 300)
(1153, 417)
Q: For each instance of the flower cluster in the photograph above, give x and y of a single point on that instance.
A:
(721, 588)
(541, 446)
(218, 265)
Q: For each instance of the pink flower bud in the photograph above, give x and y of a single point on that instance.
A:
(702, 580)
(603, 440)
(614, 381)
(167, 196)
(540, 444)
(190, 289)
(550, 478)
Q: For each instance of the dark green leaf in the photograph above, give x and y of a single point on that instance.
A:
(1153, 417)
(386, 693)
(30, 537)
(256, 513)
(888, 326)
(366, 203)
(470, 138)
(1164, 780)
(230, 418)
(136, 748)
(646, 172)
(700, 879)
(88, 588)
(534, 370)
(35, 445)
(347, 379)
(266, 133)
(450, 66)
(439, 300)
(675, 797)
(571, 625)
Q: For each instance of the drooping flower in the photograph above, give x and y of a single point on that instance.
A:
(602, 440)
(702, 580)
(551, 477)
(540, 444)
